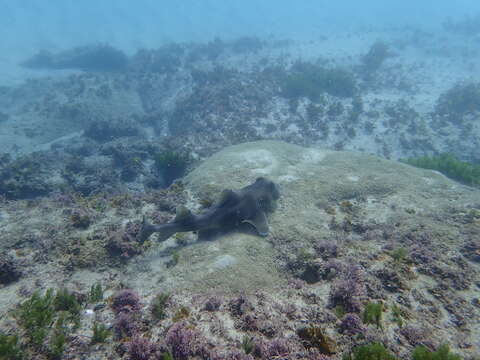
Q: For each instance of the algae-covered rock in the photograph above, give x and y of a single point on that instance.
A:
(322, 192)
(316, 183)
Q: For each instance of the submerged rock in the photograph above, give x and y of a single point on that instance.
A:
(315, 185)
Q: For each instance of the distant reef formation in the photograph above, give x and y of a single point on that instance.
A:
(205, 96)
(97, 57)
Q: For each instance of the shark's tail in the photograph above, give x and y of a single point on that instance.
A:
(184, 221)
(164, 231)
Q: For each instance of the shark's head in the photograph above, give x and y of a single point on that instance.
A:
(266, 192)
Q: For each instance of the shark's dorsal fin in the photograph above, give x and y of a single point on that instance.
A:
(182, 214)
(227, 196)
(259, 222)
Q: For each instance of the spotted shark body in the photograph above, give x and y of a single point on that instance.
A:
(248, 205)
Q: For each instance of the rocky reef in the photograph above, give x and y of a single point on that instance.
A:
(365, 256)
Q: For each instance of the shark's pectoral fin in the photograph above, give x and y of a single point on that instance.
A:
(259, 222)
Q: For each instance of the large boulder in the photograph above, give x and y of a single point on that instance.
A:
(323, 193)
(316, 183)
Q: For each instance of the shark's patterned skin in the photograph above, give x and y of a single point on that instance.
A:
(248, 205)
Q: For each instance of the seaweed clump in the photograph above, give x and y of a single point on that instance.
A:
(100, 333)
(22, 178)
(46, 321)
(66, 301)
(372, 314)
(96, 293)
(458, 101)
(10, 348)
(371, 351)
(107, 130)
(99, 57)
(171, 165)
(450, 166)
(314, 336)
(36, 315)
(159, 306)
(311, 81)
(442, 353)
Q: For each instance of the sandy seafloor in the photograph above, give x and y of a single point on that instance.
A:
(341, 215)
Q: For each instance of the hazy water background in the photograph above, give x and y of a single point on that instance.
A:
(29, 25)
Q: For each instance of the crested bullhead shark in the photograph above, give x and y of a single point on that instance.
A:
(248, 205)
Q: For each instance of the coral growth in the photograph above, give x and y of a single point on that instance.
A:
(181, 341)
(414, 335)
(212, 303)
(80, 220)
(347, 291)
(140, 348)
(126, 301)
(123, 243)
(125, 325)
(239, 306)
(273, 349)
(351, 325)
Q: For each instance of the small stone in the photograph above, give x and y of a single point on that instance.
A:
(99, 307)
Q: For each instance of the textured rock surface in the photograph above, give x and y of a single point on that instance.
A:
(349, 229)
(321, 190)
(313, 182)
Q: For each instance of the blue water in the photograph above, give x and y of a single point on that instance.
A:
(28, 25)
